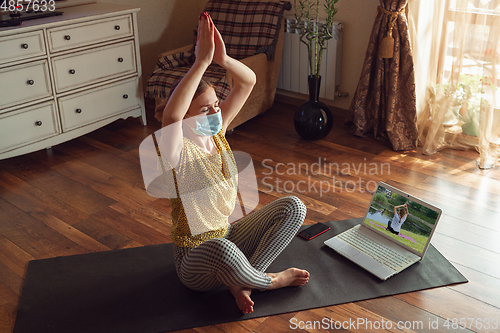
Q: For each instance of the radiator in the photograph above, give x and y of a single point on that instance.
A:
(295, 65)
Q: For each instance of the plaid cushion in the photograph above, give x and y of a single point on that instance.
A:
(248, 27)
(172, 68)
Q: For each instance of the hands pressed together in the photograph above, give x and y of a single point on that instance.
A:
(209, 44)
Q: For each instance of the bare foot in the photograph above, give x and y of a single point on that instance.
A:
(242, 297)
(288, 278)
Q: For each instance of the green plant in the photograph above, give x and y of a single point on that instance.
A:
(468, 90)
(466, 101)
(314, 33)
(468, 94)
(380, 198)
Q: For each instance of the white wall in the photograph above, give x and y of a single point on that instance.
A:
(168, 24)
(163, 25)
(358, 17)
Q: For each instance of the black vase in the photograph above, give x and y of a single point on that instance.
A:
(313, 120)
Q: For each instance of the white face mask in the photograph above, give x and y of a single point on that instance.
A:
(207, 125)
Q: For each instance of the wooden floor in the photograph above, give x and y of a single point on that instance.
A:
(88, 195)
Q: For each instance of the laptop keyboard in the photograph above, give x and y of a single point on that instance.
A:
(375, 250)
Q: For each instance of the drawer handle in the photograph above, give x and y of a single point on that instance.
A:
(31, 82)
(38, 123)
(78, 110)
(67, 37)
(125, 96)
(117, 27)
(120, 59)
(24, 46)
(72, 71)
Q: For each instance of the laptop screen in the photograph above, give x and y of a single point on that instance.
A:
(402, 217)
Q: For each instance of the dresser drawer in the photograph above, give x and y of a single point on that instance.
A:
(21, 46)
(27, 125)
(92, 66)
(63, 38)
(24, 83)
(99, 103)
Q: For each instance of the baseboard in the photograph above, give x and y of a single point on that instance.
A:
(149, 104)
(296, 99)
(282, 96)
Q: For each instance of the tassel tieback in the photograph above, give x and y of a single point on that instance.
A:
(386, 47)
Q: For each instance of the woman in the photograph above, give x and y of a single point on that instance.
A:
(400, 214)
(209, 252)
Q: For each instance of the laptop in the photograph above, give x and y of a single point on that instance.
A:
(395, 233)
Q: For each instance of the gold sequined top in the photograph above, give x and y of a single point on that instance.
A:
(206, 186)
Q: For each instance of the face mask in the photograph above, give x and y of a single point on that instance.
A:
(208, 125)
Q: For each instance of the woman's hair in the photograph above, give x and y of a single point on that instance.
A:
(202, 87)
(402, 212)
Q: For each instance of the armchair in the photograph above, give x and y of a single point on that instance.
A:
(253, 33)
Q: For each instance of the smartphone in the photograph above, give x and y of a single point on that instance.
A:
(314, 230)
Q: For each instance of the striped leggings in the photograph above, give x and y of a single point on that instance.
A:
(242, 256)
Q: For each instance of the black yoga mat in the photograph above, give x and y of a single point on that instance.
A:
(137, 290)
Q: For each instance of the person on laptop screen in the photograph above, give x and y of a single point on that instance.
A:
(194, 166)
(400, 214)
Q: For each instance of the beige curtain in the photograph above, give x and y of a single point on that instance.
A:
(456, 49)
(384, 101)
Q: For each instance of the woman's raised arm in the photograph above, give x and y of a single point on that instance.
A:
(243, 77)
(180, 99)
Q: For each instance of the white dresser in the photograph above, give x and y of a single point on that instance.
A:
(64, 76)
